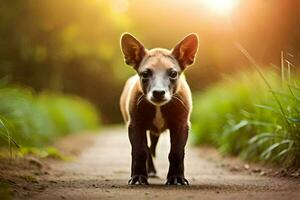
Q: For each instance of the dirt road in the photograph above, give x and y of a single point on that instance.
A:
(101, 171)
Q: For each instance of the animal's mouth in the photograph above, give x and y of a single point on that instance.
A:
(158, 102)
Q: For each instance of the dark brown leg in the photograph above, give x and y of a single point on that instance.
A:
(179, 137)
(139, 154)
(154, 140)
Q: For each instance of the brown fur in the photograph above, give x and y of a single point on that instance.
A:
(141, 115)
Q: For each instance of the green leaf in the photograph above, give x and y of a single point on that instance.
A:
(267, 153)
(281, 154)
(6, 133)
(269, 108)
(283, 94)
(261, 136)
(293, 86)
(240, 125)
(266, 124)
(293, 119)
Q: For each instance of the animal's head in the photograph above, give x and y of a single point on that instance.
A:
(159, 69)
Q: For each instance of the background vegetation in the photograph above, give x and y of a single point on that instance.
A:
(30, 119)
(241, 116)
(61, 67)
(73, 46)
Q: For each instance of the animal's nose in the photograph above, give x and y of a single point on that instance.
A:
(158, 94)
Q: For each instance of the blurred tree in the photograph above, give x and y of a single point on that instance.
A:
(65, 46)
(73, 46)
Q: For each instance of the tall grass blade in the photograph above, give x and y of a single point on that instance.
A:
(257, 68)
(267, 153)
(9, 139)
(269, 108)
(261, 136)
(282, 67)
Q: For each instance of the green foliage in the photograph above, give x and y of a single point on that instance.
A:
(69, 113)
(48, 152)
(241, 117)
(29, 119)
(75, 52)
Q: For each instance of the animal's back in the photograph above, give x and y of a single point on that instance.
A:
(127, 95)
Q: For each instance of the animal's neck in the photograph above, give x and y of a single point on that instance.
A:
(158, 120)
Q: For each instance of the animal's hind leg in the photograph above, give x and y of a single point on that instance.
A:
(154, 139)
(151, 153)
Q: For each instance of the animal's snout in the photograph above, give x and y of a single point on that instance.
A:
(158, 94)
(159, 97)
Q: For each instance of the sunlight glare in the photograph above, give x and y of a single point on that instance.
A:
(119, 6)
(220, 6)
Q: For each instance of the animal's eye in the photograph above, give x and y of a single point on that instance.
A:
(146, 74)
(173, 74)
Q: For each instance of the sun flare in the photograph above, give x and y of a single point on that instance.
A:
(220, 6)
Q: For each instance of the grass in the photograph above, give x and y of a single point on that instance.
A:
(28, 119)
(243, 115)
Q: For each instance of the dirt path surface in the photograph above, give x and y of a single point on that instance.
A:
(101, 171)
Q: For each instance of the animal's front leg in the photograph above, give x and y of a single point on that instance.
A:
(138, 140)
(179, 137)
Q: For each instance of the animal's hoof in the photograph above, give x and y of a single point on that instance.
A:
(138, 180)
(177, 180)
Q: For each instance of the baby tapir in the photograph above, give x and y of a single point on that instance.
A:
(157, 98)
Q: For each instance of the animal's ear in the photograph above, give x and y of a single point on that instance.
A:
(185, 51)
(133, 50)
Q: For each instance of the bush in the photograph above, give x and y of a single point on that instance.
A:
(30, 119)
(241, 117)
